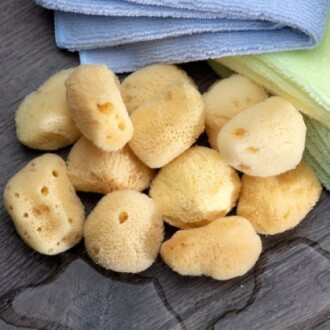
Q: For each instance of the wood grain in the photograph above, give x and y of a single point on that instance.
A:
(288, 289)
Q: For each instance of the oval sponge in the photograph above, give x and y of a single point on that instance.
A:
(224, 249)
(97, 107)
(124, 231)
(168, 124)
(279, 203)
(195, 188)
(91, 169)
(43, 119)
(264, 140)
(44, 207)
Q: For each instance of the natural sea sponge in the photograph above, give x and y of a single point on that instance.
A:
(266, 139)
(195, 188)
(225, 99)
(43, 119)
(124, 232)
(279, 203)
(168, 124)
(140, 86)
(224, 249)
(91, 169)
(44, 207)
(97, 107)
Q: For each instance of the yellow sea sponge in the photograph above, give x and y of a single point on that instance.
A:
(94, 170)
(44, 207)
(224, 249)
(195, 188)
(279, 203)
(43, 119)
(225, 99)
(124, 231)
(97, 107)
(264, 140)
(141, 85)
(168, 124)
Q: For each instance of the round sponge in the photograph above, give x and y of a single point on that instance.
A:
(124, 232)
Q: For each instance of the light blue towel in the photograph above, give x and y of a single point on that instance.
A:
(122, 9)
(79, 32)
(244, 27)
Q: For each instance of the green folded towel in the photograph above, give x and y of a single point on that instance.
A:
(303, 77)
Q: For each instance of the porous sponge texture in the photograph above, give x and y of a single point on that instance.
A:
(168, 124)
(142, 85)
(225, 99)
(97, 107)
(278, 203)
(266, 139)
(43, 119)
(44, 207)
(93, 170)
(195, 188)
(226, 248)
(124, 231)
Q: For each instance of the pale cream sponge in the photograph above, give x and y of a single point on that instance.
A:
(279, 203)
(124, 231)
(226, 248)
(97, 107)
(226, 98)
(140, 86)
(91, 169)
(43, 120)
(168, 124)
(195, 188)
(44, 207)
(266, 139)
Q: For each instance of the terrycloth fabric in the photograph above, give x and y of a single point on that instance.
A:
(79, 32)
(257, 26)
(122, 9)
(303, 77)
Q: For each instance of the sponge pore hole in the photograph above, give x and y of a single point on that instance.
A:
(26, 215)
(239, 132)
(44, 191)
(121, 126)
(96, 250)
(55, 174)
(123, 216)
(16, 195)
(252, 150)
(105, 108)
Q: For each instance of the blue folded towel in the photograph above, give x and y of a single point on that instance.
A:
(78, 32)
(122, 39)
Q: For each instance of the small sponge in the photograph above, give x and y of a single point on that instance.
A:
(42, 203)
(94, 170)
(279, 203)
(168, 124)
(124, 232)
(225, 99)
(264, 140)
(43, 119)
(140, 86)
(195, 188)
(224, 249)
(97, 107)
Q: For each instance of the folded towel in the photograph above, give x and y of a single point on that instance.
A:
(79, 32)
(303, 77)
(122, 9)
(255, 28)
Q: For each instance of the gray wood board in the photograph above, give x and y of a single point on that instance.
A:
(288, 289)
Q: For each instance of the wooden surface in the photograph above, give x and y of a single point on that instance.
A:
(288, 289)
